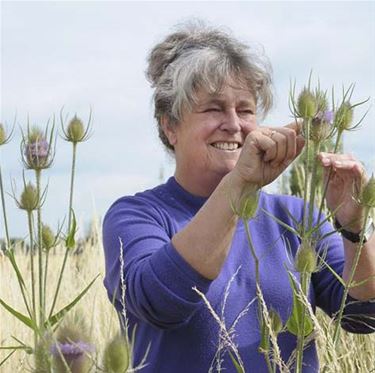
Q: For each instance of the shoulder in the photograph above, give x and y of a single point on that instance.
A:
(146, 203)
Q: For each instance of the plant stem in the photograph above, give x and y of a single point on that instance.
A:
(72, 184)
(30, 224)
(40, 251)
(305, 280)
(350, 279)
(337, 145)
(4, 212)
(69, 223)
(257, 286)
(307, 173)
(313, 185)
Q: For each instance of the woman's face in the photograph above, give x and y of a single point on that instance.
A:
(209, 139)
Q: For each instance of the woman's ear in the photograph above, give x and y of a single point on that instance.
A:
(169, 130)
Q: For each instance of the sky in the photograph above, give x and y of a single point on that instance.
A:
(84, 55)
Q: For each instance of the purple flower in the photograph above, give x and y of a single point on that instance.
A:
(325, 116)
(37, 153)
(71, 350)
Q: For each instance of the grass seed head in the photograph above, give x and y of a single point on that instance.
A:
(116, 355)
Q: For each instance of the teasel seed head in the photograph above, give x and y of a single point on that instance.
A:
(72, 346)
(306, 104)
(37, 152)
(321, 101)
(247, 205)
(116, 355)
(367, 196)
(29, 200)
(75, 131)
(306, 258)
(276, 322)
(2, 134)
(344, 117)
(48, 238)
(321, 126)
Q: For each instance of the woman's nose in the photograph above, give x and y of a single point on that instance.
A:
(231, 122)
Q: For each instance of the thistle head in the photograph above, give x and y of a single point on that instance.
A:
(276, 322)
(247, 205)
(37, 150)
(307, 104)
(306, 259)
(29, 199)
(75, 131)
(116, 355)
(72, 346)
(321, 126)
(3, 136)
(367, 195)
(321, 101)
(344, 117)
(48, 238)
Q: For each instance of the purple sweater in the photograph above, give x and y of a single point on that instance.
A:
(184, 336)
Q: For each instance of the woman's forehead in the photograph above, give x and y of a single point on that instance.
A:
(227, 92)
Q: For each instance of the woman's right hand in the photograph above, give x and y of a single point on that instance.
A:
(267, 152)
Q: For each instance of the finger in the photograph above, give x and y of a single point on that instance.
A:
(296, 126)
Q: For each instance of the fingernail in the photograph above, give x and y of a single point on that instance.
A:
(326, 161)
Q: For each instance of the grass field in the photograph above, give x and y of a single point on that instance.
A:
(356, 353)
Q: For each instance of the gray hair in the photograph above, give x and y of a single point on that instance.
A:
(196, 57)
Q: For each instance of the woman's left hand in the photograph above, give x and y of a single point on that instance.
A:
(347, 176)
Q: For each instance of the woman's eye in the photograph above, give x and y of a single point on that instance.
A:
(247, 112)
(212, 109)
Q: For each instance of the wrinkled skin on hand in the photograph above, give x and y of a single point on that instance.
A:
(267, 152)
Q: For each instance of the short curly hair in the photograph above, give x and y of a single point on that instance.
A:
(197, 56)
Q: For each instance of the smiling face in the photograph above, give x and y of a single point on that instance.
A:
(208, 140)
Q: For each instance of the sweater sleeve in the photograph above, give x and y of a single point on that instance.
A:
(359, 317)
(158, 280)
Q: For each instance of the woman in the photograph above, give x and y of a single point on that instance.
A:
(210, 93)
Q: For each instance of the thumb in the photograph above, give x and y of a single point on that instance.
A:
(296, 125)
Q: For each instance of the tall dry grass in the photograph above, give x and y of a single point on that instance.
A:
(356, 352)
(99, 314)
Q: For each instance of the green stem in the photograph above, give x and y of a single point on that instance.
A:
(72, 184)
(40, 251)
(305, 280)
(257, 286)
(336, 333)
(337, 145)
(45, 274)
(69, 223)
(307, 173)
(4, 212)
(30, 224)
(313, 185)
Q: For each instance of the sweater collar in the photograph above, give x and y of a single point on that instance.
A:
(183, 196)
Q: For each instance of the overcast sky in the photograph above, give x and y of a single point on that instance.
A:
(93, 54)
